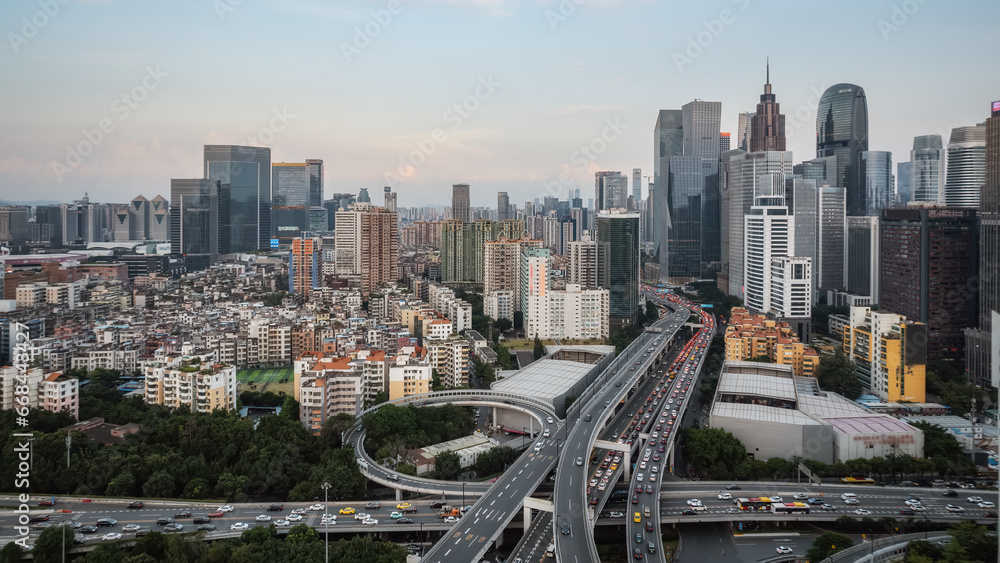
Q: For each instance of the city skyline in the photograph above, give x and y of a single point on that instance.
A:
(528, 121)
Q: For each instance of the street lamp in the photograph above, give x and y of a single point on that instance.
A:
(463, 497)
(326, 521)
(421, 539)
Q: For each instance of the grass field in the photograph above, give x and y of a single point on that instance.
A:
(267, 375)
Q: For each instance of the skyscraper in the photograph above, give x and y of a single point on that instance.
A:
(966, 166)
(903, 183)
(315, 182)
(194, 221)
(668, 141)
(637, 186)
(928, 256)
(927, 169)
(768, 233)
(583, 263)
(767, 127)
(863, 257)
(610, 190)
(743, 130)
(303, 266)
(618, 263)
(503, 206)
(724, 142)
(878, 180)
(842, 131)
(379, 249)
(159, 219)
(390, 199)
(244, 176)
(982, 361)
(460, 203)
(701, 140)
(290, 197)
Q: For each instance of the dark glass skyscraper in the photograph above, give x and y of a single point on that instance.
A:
(194, 221)
(315, 182)
(767, 126)
(878, 180)
(244, 176)
(668, 141)
(618, 264)
(842, 131)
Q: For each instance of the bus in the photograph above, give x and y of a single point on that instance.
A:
(857, 480)
(762, 503)
(790, 508)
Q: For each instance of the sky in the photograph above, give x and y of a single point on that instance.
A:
(116, 97)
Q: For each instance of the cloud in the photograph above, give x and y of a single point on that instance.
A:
(492, 7)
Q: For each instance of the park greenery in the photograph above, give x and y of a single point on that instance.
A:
(718, 455)
(836, 373)
(393, 430)
(303, 544)
(827, 544)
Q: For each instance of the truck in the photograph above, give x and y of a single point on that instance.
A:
(447, 511)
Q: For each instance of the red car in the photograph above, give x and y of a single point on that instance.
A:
(46, 503)
(215, 514)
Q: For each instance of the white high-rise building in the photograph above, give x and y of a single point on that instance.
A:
(583, 262)
(768, 233)
(502, 269)
(966, 166)
(791, 287)
(347, 236)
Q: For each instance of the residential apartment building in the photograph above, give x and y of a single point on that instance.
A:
(753, 336)
(204, 386)
(890, 353)
(53, 392)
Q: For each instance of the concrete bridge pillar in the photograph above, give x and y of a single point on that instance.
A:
(527, 516)
(399, 495)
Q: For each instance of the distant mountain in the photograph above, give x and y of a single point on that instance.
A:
(34, 203)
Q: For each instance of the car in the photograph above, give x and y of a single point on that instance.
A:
(549, 419)
(851, 501)
(649, 526)
(635, 499)
(694, 502)
(216, 514)
(173, 528)
(410, 510)
(564, 528)
(539, 446)
(393, 477)
(638, 477)
(699, 507)
(652, 477)
(275, 508)
(404, 520)
(227, 508)
(579, 461)
(616, 514)
(990, 514)
(815, 501)
(329, 516)
(949, 493)
(649, 489)
(863, 512)
(111, 536)
(294, 518)
(637, 553)
(164, 521)
(134, 504)
(362, 516)
(777, 499)
(907, 512)
(783, 549)
(299, 511)
(282, 522)
(396, 514)
(911, 501)
(39, 518)
(725, 496)
(347, 510)
(437, 504)
(975, 499)
(263, 518)
(986, 504)
(106, 522)
(450, 520)
(201, 520)
(183, 514)
(826, 506)
(403, 505)
(130, 527)
(239, 526)
(688, 512)
(205, 528)
(733, 488)
(88, 529)
(954, 508)
(47, 502)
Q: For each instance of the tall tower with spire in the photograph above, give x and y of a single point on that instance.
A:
(767, 127)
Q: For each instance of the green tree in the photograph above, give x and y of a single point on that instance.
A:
(977, 541)
(274, 299)
(539, 348)
(764, 359)
(159, 485)
(652, 314)
(197, 488)
(290, 408)
(447, 465)
(713, 451)
(51, 544)
(153, 544)
(363, 548)
(827, 544)
(122, 486)
(231, 487)
(502, 325)
(304, 491)
(378, 399)
(504, 358)
(922, 550)
(302, 533)
(836, 373)
(334, 428)
(11, 553)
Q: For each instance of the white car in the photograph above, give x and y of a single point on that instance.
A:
(694, 502)
(263, 518)
(130, 527)
(317, 507)
(863, 512)
(539, 446)
(294, 518)
(616, 514)
(226, 508)
(800, 496)
(851, 501)
(361, 515)
(450, 520)
(638, 477)
(111, 536)
(699, 507)
(975, 499)
(917, 507)
(369, 521)
(986, 504)
(725, 496)
(784, 549)
(281, 522)
(777, 499)
(955, 508)
(549, 420)
(329, 517)
(240, 526)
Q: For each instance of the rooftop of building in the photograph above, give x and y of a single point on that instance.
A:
(545, 379)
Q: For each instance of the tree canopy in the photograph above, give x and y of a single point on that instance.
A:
(836, 373)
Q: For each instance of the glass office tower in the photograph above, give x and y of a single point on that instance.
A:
(878, 180)
(194, 221)
(244, 176)
(618, 263)
(842, 131)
